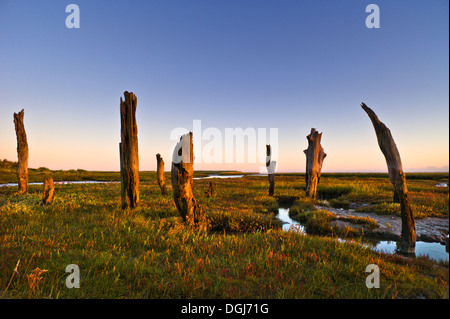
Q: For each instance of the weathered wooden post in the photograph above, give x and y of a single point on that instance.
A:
(270, 170)
(129, 154)
(49, 191)
(387, 145)
(210, 191)
(182, 175)
(22, 153)
(314, 161)
(160, 174)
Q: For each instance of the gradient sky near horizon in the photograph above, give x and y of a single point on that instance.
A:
(286, 64)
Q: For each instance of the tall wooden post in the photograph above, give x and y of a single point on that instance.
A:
(270, 170)
(314, 161)
(160, 174)
(22, 153)
(129, 154)
(182, 175)
(387, 145)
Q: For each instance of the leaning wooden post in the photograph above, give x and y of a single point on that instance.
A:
(397, 176)
(22, 153)
(129, 154)
(160, 174)
(49, 191)
(182, 175)
(270, 170)
(314, 161)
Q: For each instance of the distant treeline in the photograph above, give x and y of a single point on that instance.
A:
(7, 164)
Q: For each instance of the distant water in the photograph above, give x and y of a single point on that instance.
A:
(435, 251)
(219, 176)
(60, 183)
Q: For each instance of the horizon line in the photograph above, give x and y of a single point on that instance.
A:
(258, 173)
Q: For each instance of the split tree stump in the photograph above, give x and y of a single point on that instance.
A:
(270, 170)
(129, 154)
(389, 149)
(22, 153)
(314, 161)
(49, 191)
(160, 174)
(182, 175)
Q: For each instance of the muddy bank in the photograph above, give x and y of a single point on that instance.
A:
(430, 229)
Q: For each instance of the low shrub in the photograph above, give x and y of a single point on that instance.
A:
(367, 221)
(381, 209)
(334, 191)
(301, 206)
(246, 222)
(339, 203)
(317, 222)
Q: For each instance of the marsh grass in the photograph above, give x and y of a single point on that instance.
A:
(149, 252)
(366, 221)
(302, 205)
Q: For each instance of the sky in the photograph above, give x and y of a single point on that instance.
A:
(286, 65)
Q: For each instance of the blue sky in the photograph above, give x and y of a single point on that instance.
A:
(291, 65)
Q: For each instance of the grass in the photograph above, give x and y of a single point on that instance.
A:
(149, 253)
(367, 221)
(301, 206)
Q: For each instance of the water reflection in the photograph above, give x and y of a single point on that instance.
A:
(435, 251)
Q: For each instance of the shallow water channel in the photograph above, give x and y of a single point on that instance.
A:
(60, 183)
(435, 251)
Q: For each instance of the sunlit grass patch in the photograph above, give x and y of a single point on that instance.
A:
(366, 221)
